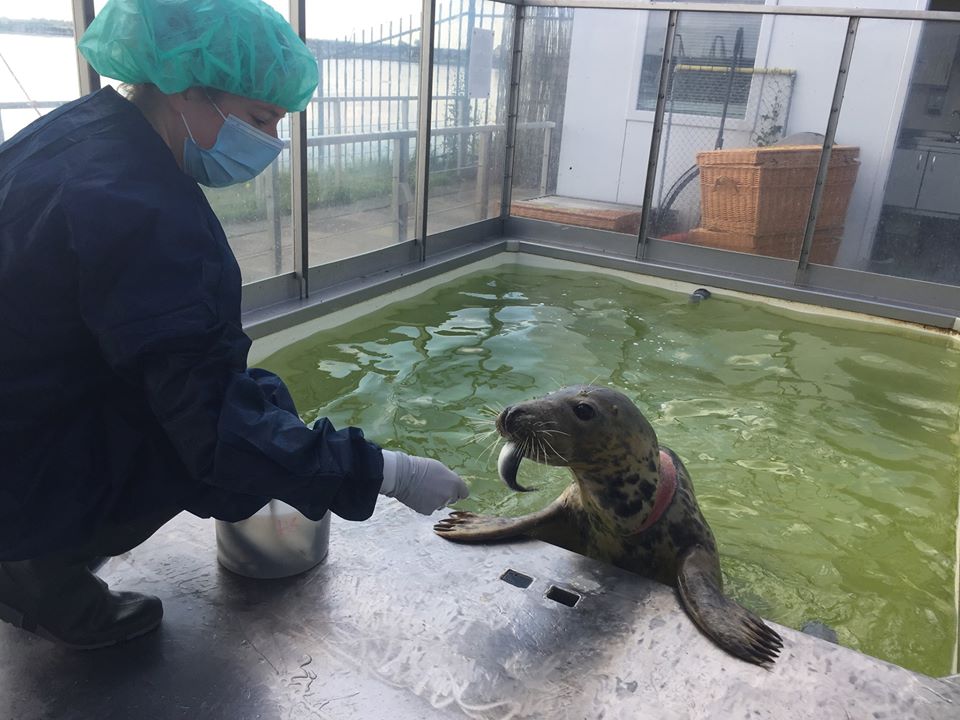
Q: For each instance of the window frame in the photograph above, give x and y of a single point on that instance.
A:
(712, 122)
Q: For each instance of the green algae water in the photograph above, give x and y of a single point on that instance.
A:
(824, 452)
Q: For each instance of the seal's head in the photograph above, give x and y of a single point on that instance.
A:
(597, 432)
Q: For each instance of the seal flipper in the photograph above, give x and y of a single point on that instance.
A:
(731, 626)
(466, 527)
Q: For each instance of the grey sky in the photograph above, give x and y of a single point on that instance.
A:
(21, 76)
(325, 18)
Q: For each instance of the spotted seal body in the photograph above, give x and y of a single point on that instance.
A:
(632, 505)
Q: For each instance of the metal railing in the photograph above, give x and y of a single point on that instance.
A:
(36, 106)
(401, 158)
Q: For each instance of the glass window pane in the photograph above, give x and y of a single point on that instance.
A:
(471, 85)
(578, 91)
(743, 178)
(105, 81)
(706, 45)
(902, 105)
(547, 36)
(768, 91)
(30, 89)
(362, 126)
(256, 215)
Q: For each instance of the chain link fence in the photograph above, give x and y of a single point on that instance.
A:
(709, 107)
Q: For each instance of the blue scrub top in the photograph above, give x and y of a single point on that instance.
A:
(124, 385)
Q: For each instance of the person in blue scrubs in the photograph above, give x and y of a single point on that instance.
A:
(125, 396)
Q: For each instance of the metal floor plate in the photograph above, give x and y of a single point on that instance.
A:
(398, 623)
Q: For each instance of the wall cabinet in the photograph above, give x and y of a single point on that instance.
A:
(906, 174)
(940, 189)
(925, 179)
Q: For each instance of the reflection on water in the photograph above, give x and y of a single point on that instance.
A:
(825, 457)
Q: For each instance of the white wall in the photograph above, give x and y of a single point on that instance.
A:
(606, 141)
(598, 93)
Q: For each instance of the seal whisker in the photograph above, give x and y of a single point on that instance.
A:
(543, 449)
(477, 422)
(554, 450)
(534, 448)
(487, 410)
(545, 446)
(525, 447)
(487, 440)
(544, 423)
(482, 436)
(488, 451)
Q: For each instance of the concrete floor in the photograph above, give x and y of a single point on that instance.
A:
(398, 623)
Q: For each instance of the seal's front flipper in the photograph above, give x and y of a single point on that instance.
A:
(729, 625)
(467, 527)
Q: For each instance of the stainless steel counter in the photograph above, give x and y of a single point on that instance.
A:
(398, 623)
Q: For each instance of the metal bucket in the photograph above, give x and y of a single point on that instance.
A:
(278, 541)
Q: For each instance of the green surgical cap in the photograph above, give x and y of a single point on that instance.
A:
(244, 47)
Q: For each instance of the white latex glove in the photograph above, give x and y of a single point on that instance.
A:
(424, 484)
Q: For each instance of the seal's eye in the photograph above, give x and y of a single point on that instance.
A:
(584, 411)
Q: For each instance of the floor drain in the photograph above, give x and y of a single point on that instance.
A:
(564, 597)
(517, 579)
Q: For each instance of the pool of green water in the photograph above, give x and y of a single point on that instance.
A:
(824, 453)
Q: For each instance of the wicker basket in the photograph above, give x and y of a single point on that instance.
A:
(826, 242)
(767, 190)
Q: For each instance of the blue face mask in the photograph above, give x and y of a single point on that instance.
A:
(240, 153)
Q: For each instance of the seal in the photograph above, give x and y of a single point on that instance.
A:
(631, 504)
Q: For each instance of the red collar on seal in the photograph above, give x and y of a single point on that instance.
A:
(666, 489)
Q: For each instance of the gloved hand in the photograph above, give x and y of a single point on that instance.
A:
(421, 483)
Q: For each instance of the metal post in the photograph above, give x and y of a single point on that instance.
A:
(394, 58)
(298, 170)
(545, 162)
(83, 14)
(483, 179)
(395, 194)
(424, 118)
(513, 110)
(338, 148)
(272, 194)
(831, 132)
(318, 116)
(400, 204)
(666, 73)
(463, 109)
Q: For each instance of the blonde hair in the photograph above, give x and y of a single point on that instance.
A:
(146, 96)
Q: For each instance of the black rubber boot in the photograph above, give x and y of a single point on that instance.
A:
(64, 602)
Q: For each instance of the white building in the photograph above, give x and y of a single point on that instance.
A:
(608, 118)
